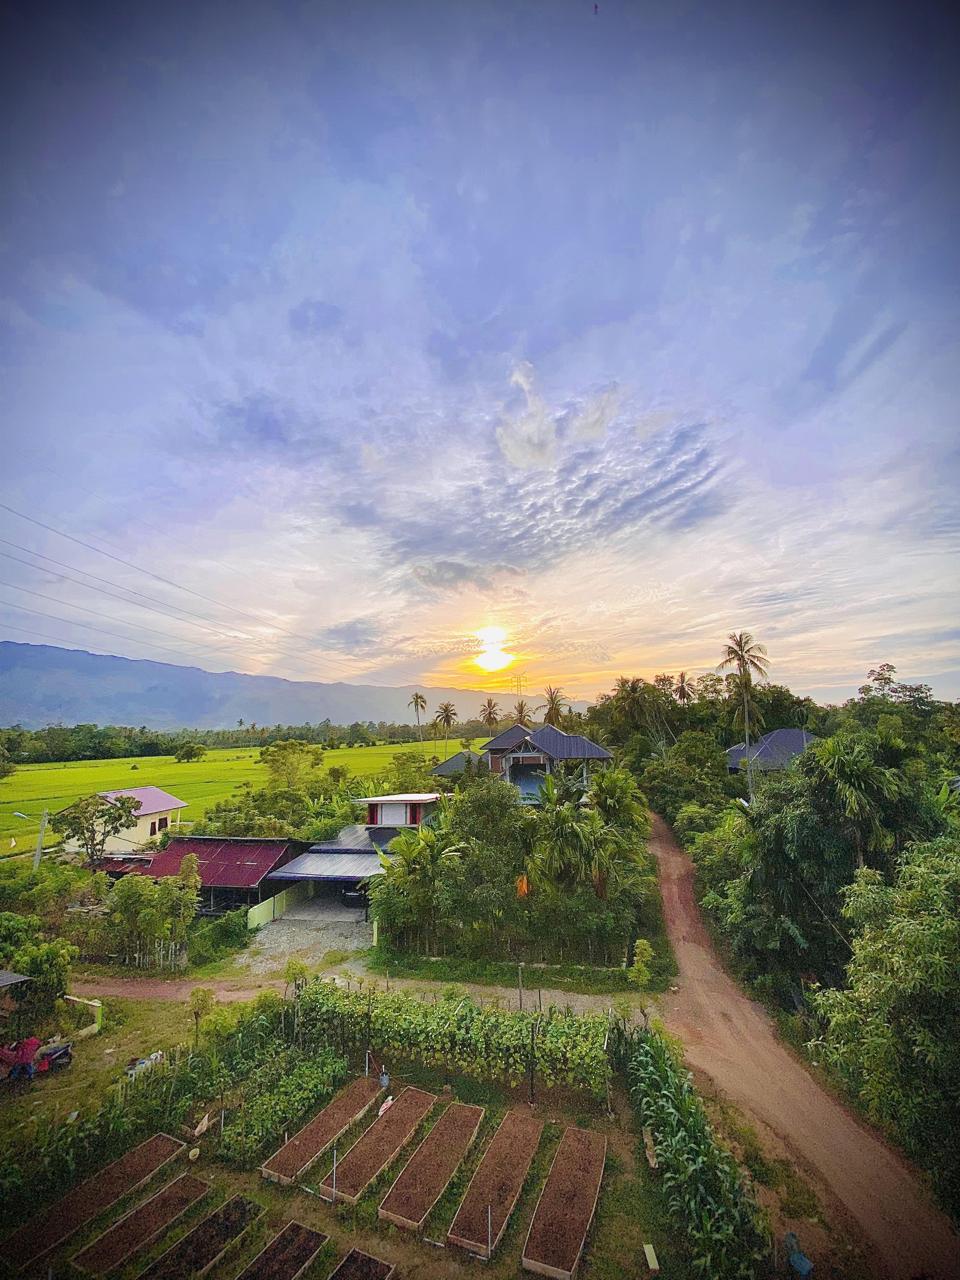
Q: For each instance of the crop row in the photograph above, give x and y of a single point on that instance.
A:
(488, 1044)
(706, 1195)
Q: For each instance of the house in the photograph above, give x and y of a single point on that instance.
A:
(455, 765)
(775, 750)
(157, 810)
(406, 809)
(233, 869)
(526, 756)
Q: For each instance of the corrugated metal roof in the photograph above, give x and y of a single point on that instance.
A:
(10, 979)
(455, 764)
(402, 797)
(556, 743)
(357, 838)
(225, 862)
(152, 799)
(775, 750)
(329, 866)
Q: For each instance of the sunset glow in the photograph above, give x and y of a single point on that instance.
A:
(493, 656)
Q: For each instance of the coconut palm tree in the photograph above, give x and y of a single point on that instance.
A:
(490, 715)
(750, 659)
(683, 689)
(859, 785)
(554, 707)
(521, 714)
(445, 719)
(419, 704)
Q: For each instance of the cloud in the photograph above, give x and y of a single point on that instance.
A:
(528, 438)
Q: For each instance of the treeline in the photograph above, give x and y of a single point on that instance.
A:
(836, 892)
(58, 742)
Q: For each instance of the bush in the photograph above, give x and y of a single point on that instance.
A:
(218, 938)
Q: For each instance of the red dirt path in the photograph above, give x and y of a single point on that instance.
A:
(730, 1039)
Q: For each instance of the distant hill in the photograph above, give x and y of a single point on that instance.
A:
(43, 684)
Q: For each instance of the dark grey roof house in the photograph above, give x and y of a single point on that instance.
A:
(775, 750)
(456, 764)
(526, 756)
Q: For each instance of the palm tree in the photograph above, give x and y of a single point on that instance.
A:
(683, 689)
(750, 659)
(521, 714)
(419, 704)
(858, 785)
(445, 719)
(555, 706)
(490, 715)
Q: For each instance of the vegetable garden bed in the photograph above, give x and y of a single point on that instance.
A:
(288, 1254)
(358, 1265)
(204, 1246)
(375, 1149)
(496, 1184)
(86, 1202)
(296, 1156)
(427, 1172)
(141, 1225)
(566, 1206)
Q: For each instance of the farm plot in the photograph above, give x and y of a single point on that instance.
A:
(375, 1149)
(86, 1202)
(358, 1265)
(496, 1185)
(287, 1255)
(296, 1156)
(427, 1172)
(206, 1244)
(142, 1224)
(566, 1206)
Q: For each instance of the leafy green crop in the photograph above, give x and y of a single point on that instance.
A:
(489, 1044)
(705, 1193)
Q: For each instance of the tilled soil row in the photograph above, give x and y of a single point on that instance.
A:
(296, 1156)
(375, 1149)
(202, 1247)
(358, 1265)
(496, 1184)
(425, 1176)
(566, 1205)
(287, 1255)
(86, 1202)
(142, 1224)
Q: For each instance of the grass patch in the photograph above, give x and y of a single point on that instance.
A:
(580, 979)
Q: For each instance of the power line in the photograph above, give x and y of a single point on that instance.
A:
(215, 627)
(149, 572)
(72, 622)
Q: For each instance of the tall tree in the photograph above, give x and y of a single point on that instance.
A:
(554, 707)
(750, 659)
(290, 762)
(521, 714)
(490, 715)
(683, 689)
(859, 785)
(445, 719)
(419, 704)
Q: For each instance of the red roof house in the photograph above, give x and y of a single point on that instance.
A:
(232, 868)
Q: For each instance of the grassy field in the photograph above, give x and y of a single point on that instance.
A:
(33, 787)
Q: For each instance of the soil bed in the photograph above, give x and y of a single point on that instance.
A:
(287, 1255)
(497, 1183)
(374, 1150)
(296, 1156)
(566, 1205)
(143, 1223)
(202, 1247)
(427, 1172)
(86, 1202)
(358, 1265)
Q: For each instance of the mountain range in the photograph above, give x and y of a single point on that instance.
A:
(44, 684)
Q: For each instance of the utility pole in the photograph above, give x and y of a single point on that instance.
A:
(44, 818)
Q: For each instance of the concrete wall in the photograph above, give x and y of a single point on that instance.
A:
(274, 907)
(126, 841)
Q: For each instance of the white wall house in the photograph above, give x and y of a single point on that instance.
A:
(406, 809)
(159, 811)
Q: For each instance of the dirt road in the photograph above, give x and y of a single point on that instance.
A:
(731, 1040)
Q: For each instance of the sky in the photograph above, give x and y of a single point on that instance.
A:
(334, 334)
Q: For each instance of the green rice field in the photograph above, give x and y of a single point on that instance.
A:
(33, 787)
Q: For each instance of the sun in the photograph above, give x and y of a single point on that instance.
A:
(492, 656)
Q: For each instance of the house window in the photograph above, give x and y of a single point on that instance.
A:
(162, 824)
(153, 828)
